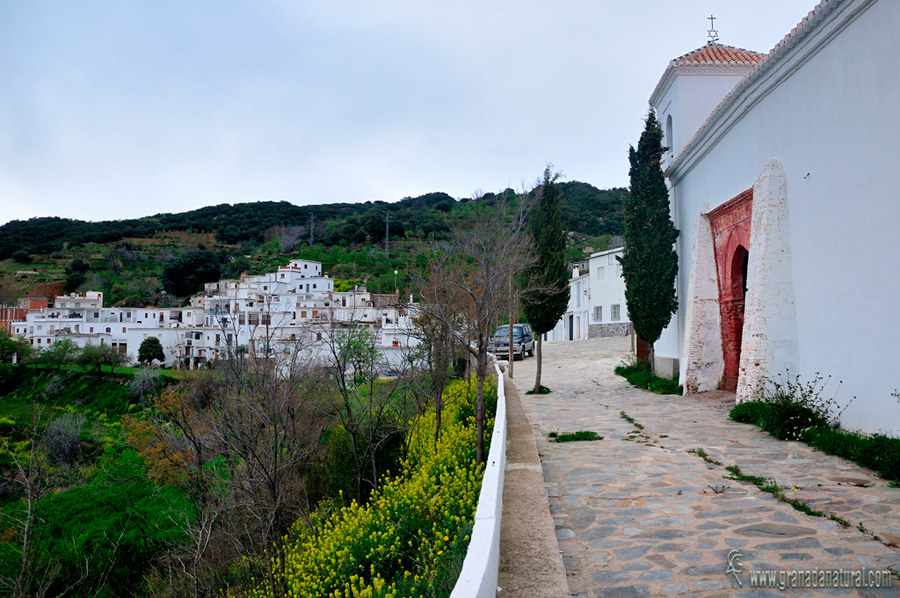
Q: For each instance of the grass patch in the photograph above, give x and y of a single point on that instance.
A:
(638, 374)
(769, 486)
(703, 455)
(630, 420)
(582, 435)
(543, 391)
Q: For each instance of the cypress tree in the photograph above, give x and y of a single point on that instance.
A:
(546, 294)
(649, 262)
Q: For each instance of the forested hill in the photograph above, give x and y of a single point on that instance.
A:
(586, 209)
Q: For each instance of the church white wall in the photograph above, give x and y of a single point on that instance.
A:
(832, 125)
(690, 100)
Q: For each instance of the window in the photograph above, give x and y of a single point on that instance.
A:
(598, 313)
(108, 329)
(92, 329)
(49, 340)
(615, 315)
(123, 329)
(600, 273)
(669, 141)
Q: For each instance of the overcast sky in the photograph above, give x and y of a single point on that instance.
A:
(120, 109)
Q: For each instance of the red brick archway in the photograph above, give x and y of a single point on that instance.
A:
(730, 224)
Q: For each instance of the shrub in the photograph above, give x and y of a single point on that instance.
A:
(664, 386)
(638, 374)
(62, 438)
(796, 406)
(793, 410)
(750, 412)
(21, 256)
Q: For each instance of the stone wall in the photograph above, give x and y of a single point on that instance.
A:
(607, 330)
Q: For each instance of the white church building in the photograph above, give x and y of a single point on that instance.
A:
(783, 182)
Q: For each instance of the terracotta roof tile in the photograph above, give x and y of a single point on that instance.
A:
(718, 54)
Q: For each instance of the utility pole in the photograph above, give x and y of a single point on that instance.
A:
(512, 319)
(312, 221)
(387, 234)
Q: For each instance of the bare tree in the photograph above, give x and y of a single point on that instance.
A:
(373, 410)
(240, 442)
(478, 268)
(437, 318)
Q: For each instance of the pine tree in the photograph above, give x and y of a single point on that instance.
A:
(546, 294)
(649, 262)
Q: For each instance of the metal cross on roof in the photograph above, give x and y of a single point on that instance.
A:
(713, 34)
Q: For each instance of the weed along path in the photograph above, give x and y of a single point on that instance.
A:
(650, 510)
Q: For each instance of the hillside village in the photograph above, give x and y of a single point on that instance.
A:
(296, 305)
(263, 314)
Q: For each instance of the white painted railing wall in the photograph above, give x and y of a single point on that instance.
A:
(478, 578)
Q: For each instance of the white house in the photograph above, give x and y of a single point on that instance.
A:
(596, 301)
(785, 196)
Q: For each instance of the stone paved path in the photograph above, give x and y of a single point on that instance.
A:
(639, 514)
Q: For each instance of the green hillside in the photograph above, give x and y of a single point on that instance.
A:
(135, 261)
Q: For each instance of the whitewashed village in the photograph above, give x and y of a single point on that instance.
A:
(263, 315)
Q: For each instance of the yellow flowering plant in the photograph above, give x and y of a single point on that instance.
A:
(410, 539)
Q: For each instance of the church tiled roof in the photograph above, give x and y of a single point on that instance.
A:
(711, 55)
(810, 22)
(718, 54)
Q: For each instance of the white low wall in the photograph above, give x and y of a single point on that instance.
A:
(478, 578)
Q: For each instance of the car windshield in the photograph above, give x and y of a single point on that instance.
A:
(518, 330)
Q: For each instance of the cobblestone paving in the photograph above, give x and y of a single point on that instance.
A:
(639, 514)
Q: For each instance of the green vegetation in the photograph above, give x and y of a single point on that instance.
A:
(546, 292)
(794, 410)
(113, 476)
(411, 537)
(160, 259)
(579, 436)
(771, 487)
(703, 455)
(151, 350)
(638, 374)
(649, 262)
(630, 420)
(543, 390)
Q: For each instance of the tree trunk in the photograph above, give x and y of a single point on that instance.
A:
(651, 358)
(537, 377)
(480, 375)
